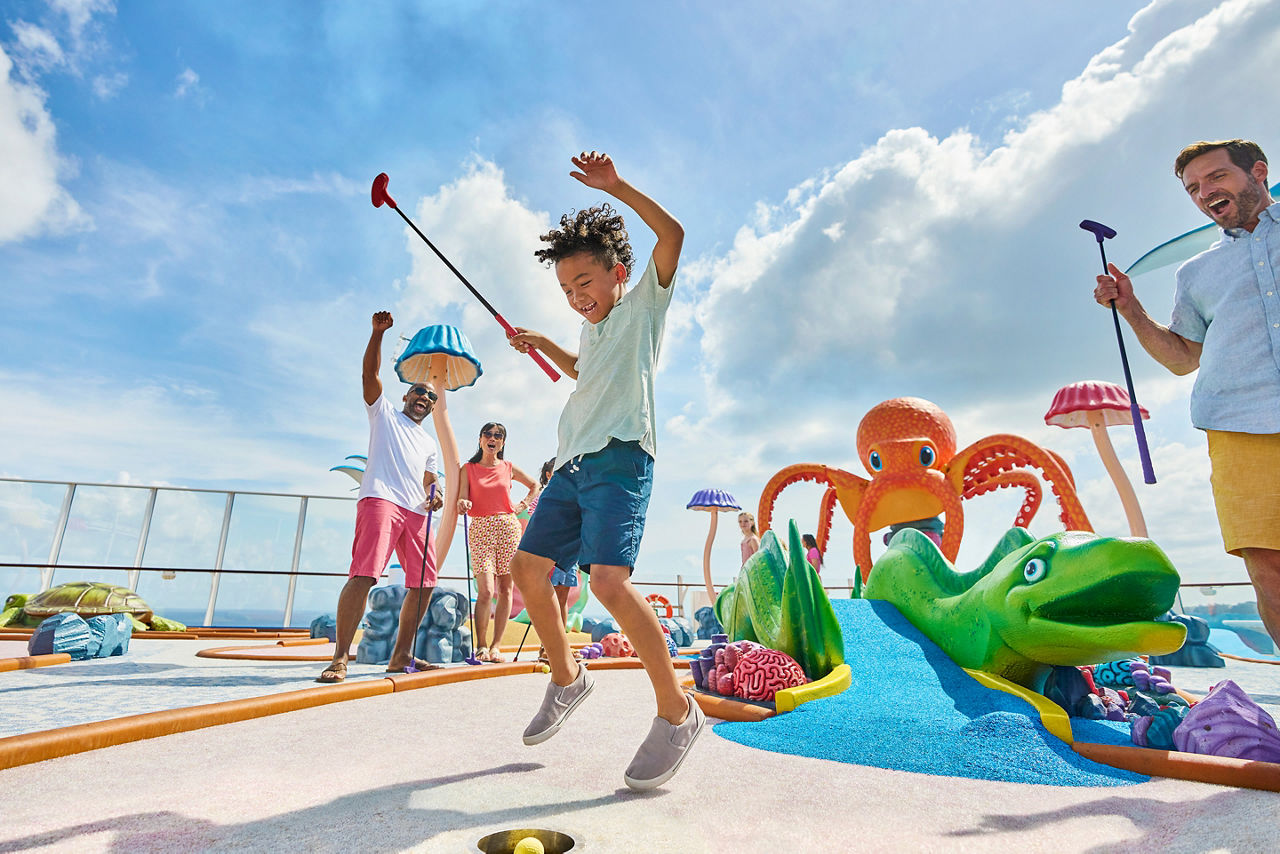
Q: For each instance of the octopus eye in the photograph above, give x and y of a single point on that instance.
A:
(1034, 570)
(874, 461)
(927, 455)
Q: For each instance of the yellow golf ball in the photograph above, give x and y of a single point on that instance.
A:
(529, 845)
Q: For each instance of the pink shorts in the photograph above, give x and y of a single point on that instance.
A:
(382, 527)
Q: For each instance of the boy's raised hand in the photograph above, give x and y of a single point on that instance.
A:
(382, 321)
(597, 170)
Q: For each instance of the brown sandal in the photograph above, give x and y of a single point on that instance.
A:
(333, 674)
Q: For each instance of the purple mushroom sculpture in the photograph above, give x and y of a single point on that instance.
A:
(713, 501)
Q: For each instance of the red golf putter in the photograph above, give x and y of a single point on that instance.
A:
(380, 196)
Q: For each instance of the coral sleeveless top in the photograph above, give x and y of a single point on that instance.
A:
(489, 489)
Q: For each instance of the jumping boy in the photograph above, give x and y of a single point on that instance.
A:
(592, 511)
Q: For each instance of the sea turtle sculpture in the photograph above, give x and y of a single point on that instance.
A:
(88, 599)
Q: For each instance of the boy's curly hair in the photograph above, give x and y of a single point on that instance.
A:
(598, 231)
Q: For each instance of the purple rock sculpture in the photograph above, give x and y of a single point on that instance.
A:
(1228, 722)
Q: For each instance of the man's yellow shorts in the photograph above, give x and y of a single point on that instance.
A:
(1246, 488)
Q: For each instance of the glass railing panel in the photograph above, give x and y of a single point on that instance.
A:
(28, 523)
(185, 527)
(260, 541)
(102, 530)
(326, 547)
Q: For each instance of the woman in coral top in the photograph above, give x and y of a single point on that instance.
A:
(484, 494)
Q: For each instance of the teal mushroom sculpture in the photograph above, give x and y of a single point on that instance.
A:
(712, 501)
(443, 356)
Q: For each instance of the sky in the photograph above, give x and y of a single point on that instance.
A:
(877, 204)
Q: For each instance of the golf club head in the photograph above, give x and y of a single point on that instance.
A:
(1100, 231)
(379, 193)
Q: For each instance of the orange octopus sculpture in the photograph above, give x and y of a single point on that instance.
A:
(909, 447)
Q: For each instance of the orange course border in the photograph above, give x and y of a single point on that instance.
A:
(27, 662)
(49, 744)
(1221, 770)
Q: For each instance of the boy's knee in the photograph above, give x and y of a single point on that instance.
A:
(525, 569)
(608, 587)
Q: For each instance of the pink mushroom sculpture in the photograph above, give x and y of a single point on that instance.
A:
(1099, 405)
(713, 501)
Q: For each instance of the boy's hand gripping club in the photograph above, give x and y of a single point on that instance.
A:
(380, 196)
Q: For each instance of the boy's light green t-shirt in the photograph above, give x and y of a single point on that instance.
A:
(617, 361)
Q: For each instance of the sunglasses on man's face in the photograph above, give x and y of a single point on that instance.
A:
(493, 434)
(421, 390)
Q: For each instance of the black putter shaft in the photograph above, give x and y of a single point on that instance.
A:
(422, 582)
(1101, 232)
(524, 638)
(466, 542)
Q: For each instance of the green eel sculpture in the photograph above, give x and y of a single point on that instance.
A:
(1072, 598)
(778, 600)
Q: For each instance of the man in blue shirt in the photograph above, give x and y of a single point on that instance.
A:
(1226, 323)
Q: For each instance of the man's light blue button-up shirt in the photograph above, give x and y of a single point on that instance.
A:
(1229, 300)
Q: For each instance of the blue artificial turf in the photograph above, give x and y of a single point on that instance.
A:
(911, 708)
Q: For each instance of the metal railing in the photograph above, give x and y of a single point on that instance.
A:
(67, 517)
(16, 517)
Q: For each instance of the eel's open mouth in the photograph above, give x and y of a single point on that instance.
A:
(1128, 598)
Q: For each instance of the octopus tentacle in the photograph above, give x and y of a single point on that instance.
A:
(825, 511)
(813, 472)
(877, 489)
(1003, 452)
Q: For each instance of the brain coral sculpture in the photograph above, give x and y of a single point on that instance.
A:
(764, 672)
(616, 645)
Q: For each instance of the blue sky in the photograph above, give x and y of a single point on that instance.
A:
(877, 203)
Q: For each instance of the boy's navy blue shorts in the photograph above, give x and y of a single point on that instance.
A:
(592, 510)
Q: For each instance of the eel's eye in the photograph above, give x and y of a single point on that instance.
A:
(927, 455)
(874, 461)
(1034, 570)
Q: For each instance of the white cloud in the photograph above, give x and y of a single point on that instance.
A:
(188, 84)
(79, 14)
(32, 198)
(36, 49)
(107, 86)
(174, 433)
(959, 275)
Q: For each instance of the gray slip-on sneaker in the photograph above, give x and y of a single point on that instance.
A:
(663, 749)
(557, 704)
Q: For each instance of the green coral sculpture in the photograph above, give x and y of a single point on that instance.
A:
(778, 600)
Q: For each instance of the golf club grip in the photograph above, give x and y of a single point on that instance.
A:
(533, 354)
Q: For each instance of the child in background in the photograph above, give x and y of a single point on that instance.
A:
(592, 511)
(814, 556)
(750, 536)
